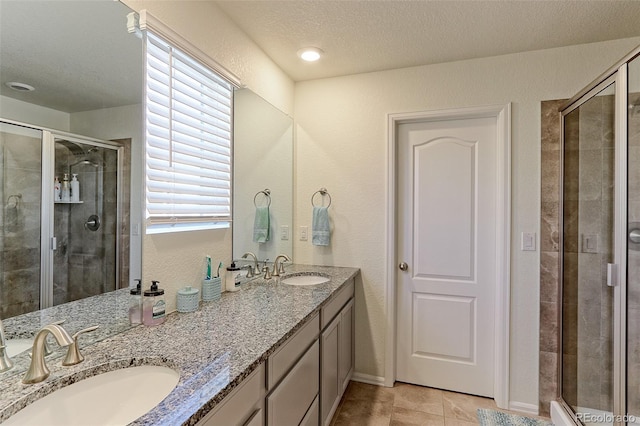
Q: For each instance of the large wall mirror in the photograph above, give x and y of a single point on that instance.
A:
(263, 179)
(86, 72)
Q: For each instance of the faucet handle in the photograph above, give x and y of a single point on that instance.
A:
(73, 353)
(5, 360)
(249, 269)
(265, 269)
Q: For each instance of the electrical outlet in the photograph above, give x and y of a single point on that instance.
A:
(304, 233)
(284, 232)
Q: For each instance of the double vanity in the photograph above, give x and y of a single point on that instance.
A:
(272, 353)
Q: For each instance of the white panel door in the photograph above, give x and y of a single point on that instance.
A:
(447, 192)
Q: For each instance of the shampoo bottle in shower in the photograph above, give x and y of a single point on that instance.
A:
(75, 189)
(56, 189)
(64, 190)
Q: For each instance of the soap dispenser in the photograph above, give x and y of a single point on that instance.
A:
(135, 303)
(153, 306)
(232, 280)
(75, 189)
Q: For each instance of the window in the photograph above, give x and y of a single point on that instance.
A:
(188, 141)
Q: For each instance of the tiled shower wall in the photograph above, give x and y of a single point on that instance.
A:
(19, 224)
(549, 255)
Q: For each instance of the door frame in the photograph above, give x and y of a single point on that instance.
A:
(502, 115)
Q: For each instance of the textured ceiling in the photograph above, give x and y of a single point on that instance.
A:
(364, 36)
(79, 57)
(77, 54)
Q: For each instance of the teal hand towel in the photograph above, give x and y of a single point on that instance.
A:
(261, 225)
(320, 231)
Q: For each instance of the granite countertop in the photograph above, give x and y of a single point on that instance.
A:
(213, 349)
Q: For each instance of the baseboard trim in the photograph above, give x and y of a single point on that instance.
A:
(523, 407)
(369, 379)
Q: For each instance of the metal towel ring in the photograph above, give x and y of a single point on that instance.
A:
(323, 192)
(267, 194)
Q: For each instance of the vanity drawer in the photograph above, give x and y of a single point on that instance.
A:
(311, 418)
(331, 309)
(289, 402)
(243, 405)
(281, 361)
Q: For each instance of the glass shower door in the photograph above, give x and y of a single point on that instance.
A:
(20, 219)
(86, 213)
(633, 246)
(587, 249)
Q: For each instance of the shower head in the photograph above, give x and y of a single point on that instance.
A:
(85, 161)
(74, 148)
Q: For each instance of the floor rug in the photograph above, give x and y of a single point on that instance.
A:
(498, 418)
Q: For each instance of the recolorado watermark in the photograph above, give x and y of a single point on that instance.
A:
(606, 418)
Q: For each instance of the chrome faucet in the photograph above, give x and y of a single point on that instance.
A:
(5, 360)
(38, 370)
(256, 268)
(279, 270)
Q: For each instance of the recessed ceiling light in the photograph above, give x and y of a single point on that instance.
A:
(20, 87)
(310, 54)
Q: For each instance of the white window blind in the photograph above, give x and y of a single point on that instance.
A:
(188, 138)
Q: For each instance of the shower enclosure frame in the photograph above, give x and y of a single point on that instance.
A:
(618, 76)
(47, 237)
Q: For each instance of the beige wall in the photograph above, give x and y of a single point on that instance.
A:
(341, 144)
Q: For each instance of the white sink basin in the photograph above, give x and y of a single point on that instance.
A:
(305, 280)
(17, 346)
(114, 398)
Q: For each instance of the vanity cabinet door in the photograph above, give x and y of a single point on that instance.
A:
(337, 360)
(346, 346)
(329, 371)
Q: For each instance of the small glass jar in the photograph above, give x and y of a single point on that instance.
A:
(153, 306)
(135, 304)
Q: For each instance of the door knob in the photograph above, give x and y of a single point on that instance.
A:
(403, 266)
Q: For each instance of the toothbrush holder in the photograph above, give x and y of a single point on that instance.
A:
(211, 289)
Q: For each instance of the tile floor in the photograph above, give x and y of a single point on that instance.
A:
(406, 404)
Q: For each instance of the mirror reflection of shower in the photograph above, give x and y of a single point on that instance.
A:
(85, 219)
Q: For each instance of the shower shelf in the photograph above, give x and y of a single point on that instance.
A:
(68, 202)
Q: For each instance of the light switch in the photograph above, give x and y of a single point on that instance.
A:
(284, 232)
(528, 242)
(590, 243)
(304, 233)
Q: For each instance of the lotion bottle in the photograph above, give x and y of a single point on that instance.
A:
(153, 306)
(75, 189)
(64, 190)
